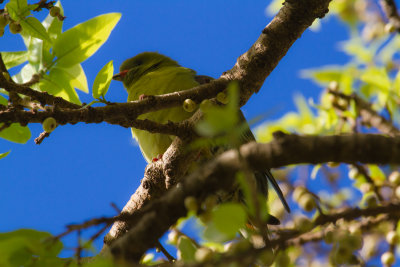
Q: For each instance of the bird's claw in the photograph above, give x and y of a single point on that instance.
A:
(143, 96)
(159, 157)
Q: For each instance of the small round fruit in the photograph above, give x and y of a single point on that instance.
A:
(353, 174)
(266, 257)
(352, 241)
(303, 224)
(191, 203)
(394, 178)
(389, 28)
(282, 259)
(366, 188)
(222, 98)
(173, 237)
(210, 202)
(205, 217)
(332, 164)
(392, 238)
(307, 202)
(15, 27)
(370, 201)
(55, 11)
(205, 104)
(189, 105)
(49, 124)
(333, 85)
(6, 76)
(387, 258)
(397, 192)
(298, 192)
(329, 236)
(203, 254)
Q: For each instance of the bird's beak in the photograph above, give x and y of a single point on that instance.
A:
(120, 76)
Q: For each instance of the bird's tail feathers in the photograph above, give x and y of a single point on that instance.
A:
(277, 189)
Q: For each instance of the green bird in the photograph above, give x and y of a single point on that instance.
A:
(151, 73)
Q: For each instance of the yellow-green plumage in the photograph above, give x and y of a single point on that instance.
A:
(150, 73)
(145, 79)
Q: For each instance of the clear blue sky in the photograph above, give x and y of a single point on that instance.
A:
(76, 173)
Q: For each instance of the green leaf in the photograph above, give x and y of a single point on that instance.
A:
(3, 155)
(355, 47)
(212, 233)
(186, 249)
(12, 59)
(221, 119)
(25, 246)
(3, 101)
(58, 83)
(314, 171)
(16, 133)
(33, 27)
(76, 76)
(377, 77)
(103, 80)
(18, 9)
(377, 175)
(80, 42)
(25, 74)
(53, 25)
(325, 75)
(229, 218)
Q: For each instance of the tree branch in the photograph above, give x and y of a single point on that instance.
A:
(251, 70)
(151, 221)
(368, 115)
(390, 9)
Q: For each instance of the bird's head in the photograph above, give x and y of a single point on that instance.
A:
(132, 69)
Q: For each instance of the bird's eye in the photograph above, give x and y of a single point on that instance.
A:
(138, 63)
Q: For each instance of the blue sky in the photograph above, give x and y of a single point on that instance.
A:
(76, 173)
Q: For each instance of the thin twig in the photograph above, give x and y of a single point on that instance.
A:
(165, 252)
(41, 137)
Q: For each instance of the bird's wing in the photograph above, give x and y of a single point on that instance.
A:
(246, 137)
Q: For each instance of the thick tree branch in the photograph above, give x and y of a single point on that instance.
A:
(251, 70)
(254, 66)
(390, 9)
(151, 222)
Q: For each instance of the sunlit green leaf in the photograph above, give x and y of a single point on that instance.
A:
(12, 59)
(103, 80)
(80, 42)
(212, 233)
(25, 246)
(355, 47)
(3, 155)
(76, 75)
(16, 133)
(315, 170)
(57, 83)
(25, 74)
(18, 9)
(221, 119)
(33, 27)
(52, 24)
(229, 212)
(377, 175)
(3, 101)
(377, 77)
